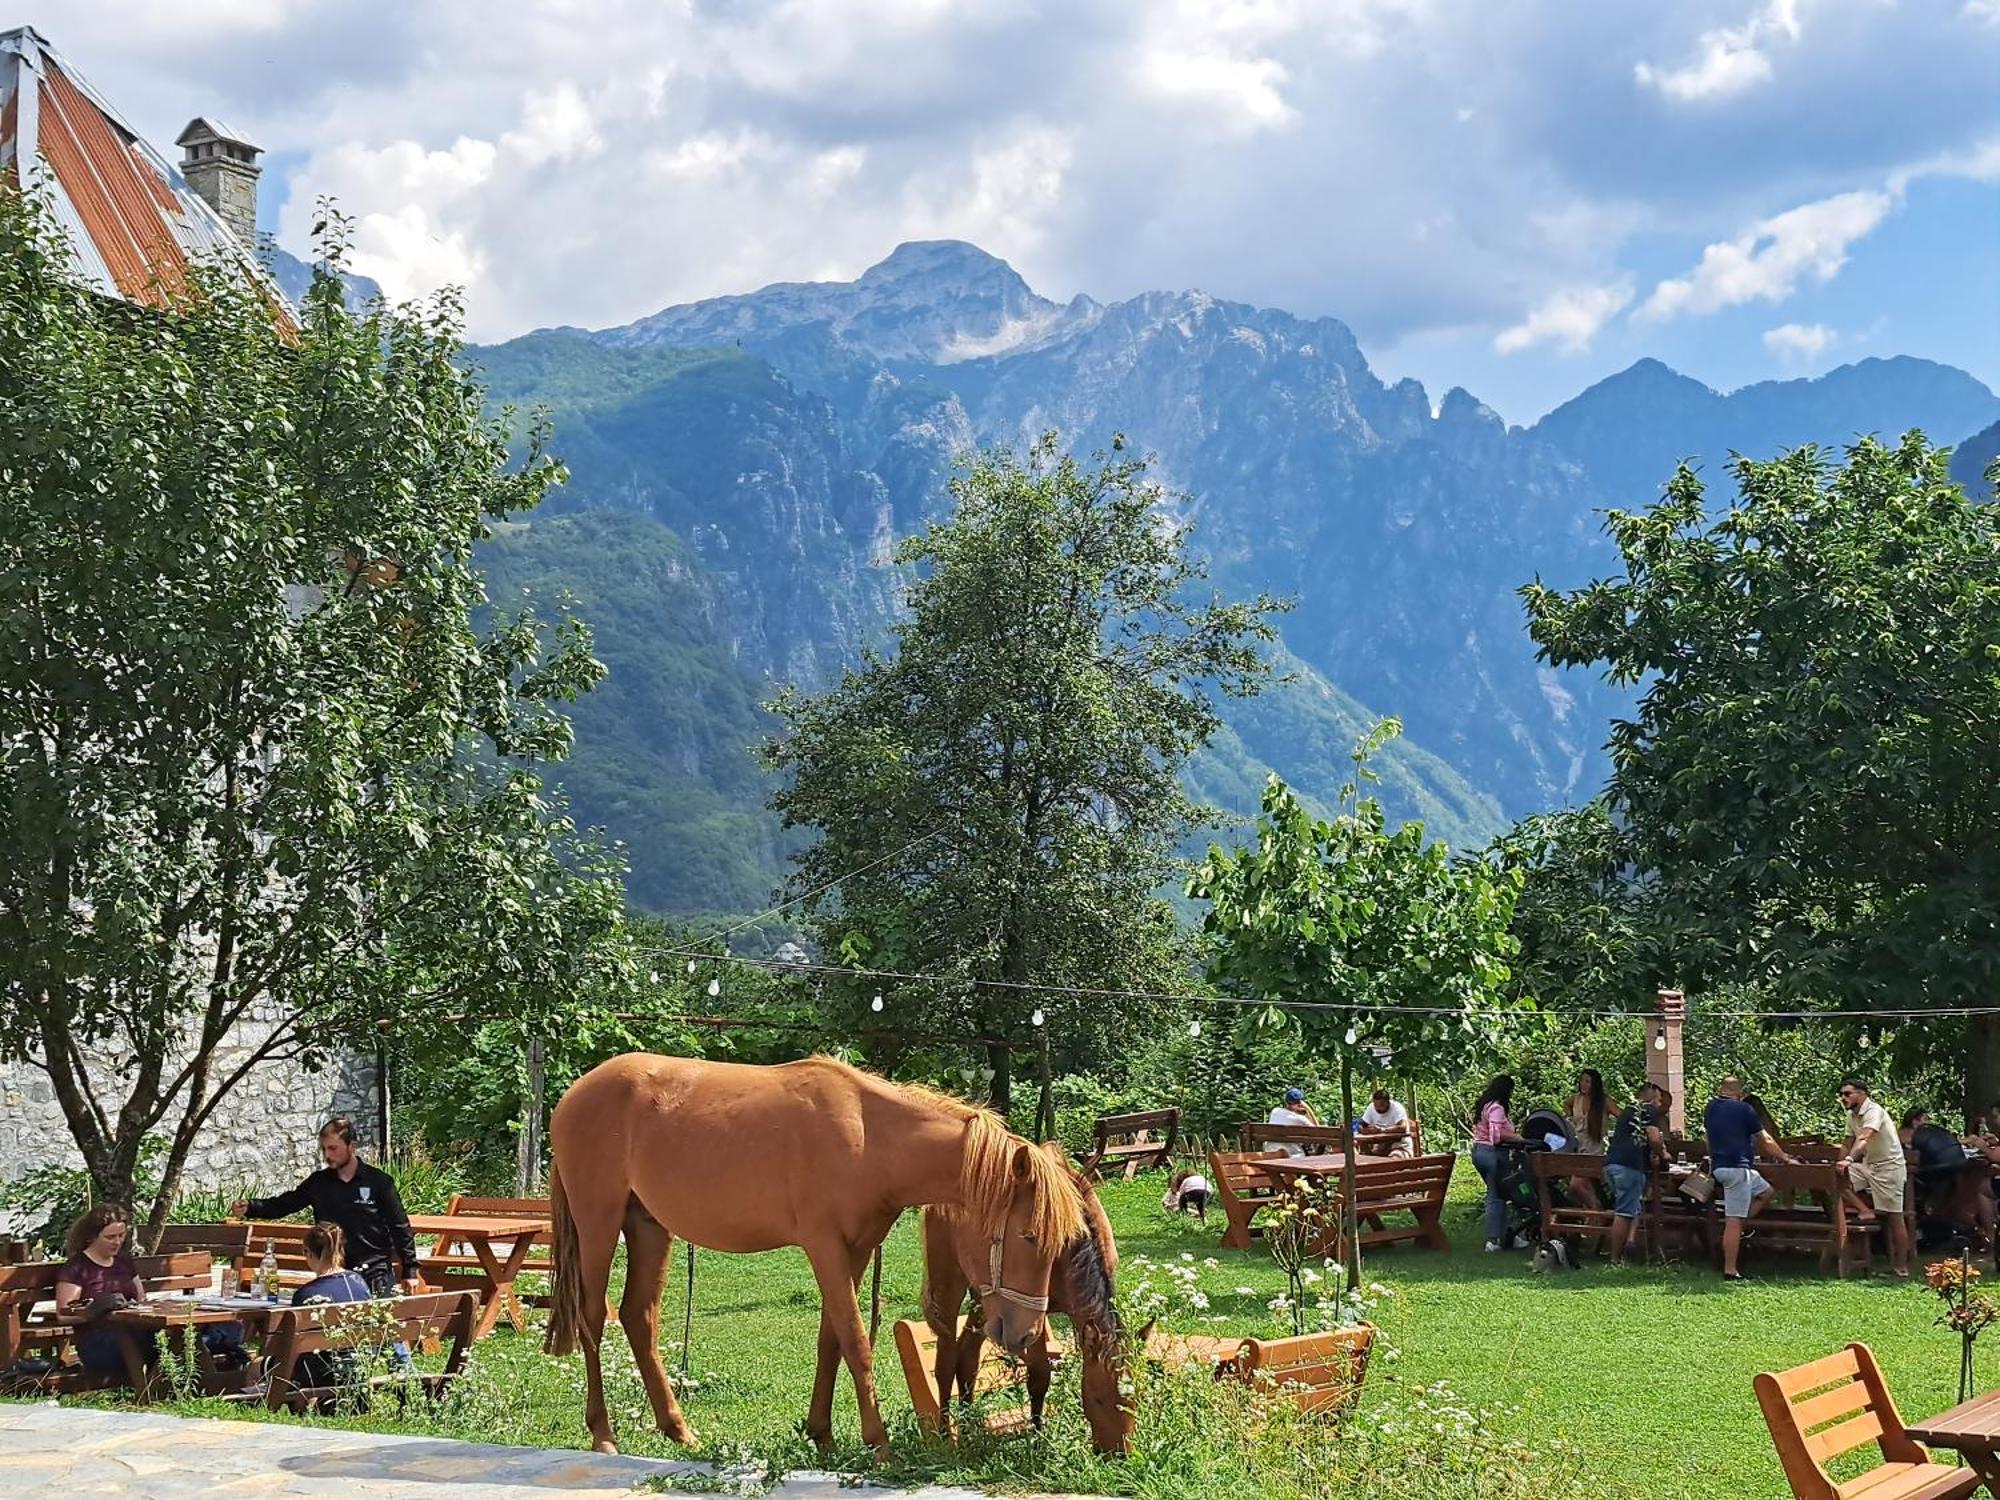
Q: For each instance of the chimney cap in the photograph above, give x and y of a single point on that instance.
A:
(204, 128)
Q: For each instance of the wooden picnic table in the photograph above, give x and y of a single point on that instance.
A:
(1304, 1168)
(174, 1316)
(1971, 1429)
(498, 1246)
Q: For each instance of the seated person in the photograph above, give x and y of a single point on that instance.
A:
(1294, 1111)
(1936, 1161)
(1384, 1127)
(1187, 1191)
(98, 1278)
(325, 1248)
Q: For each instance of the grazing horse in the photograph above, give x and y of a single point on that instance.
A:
(955, 1258)
(814, 1154)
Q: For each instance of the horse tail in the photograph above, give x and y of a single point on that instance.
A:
(566, 1283)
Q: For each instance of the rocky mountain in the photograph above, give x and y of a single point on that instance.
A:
(1971, 459)
(294, 278)
(777, 444)
(1631, 429)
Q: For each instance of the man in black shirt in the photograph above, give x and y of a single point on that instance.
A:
(363, 1201)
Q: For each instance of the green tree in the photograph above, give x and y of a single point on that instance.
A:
(1581, 918)
(1000, 799)
(265, 780)
(1810, 787)
(1405, 946)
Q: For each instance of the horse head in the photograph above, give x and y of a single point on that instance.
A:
(1022, 1202)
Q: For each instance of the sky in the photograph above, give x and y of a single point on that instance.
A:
(1518, 198)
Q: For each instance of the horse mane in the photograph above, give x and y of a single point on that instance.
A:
(986, 1180)
(1086, 1267)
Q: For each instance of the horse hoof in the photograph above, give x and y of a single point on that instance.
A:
(883, 1457)
(604, 1445)
(684, 1435)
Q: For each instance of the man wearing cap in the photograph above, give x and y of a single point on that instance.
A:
(1294, 1111)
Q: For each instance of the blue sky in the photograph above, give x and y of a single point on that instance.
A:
(1518, 198)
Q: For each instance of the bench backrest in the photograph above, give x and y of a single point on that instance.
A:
(1318, 1372)
(287, 1240)
(1557, 1166)
(1379, 1178)
(1234, 1174)
(916, 1348)
(1316, 1140)
(222, 1241)
(34, 1281)
(1832, 1406)
(180, 1271)
(1110, 1126)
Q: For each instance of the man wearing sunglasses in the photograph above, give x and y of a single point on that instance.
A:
(1873, 1165)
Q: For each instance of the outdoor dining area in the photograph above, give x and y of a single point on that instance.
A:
(223, 1300)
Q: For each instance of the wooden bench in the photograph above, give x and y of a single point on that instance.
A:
(1413, 1185)
(1842, 1242)
(1568, 1220)
(28, 1326)
(1130, 1141)
(367, 1329)
(287, 1239)
(229, 1242)
(448, 1260)
(916, 1349)
(1312, 1140)
(1241, 1190)
(1320, 1373)
(1832, 1406)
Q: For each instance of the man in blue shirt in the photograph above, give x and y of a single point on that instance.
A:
(1735, 1134)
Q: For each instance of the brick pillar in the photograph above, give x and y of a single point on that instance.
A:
(1664, 1065)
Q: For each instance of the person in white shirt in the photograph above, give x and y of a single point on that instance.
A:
(1385, 1127)
(1294, 1111)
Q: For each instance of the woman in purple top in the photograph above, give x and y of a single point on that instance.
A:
(1493, 1128)
(98, 1277)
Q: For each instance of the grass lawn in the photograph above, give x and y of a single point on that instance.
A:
(1646, 1371)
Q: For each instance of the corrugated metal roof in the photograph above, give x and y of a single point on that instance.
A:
(134, 223)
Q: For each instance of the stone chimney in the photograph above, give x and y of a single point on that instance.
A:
(1665, 1064)
(221, 166)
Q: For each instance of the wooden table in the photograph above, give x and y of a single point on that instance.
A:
(1972, 1428)
(1319, 1168)
(499, 1246)
(174, 1316)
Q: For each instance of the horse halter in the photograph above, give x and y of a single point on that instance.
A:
(1005, 1293)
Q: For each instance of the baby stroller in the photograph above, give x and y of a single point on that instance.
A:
(1516, 1182)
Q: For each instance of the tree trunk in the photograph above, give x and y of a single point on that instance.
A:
(1000, 1057)
(1982, 1065)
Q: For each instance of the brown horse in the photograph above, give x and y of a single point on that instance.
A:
(1079, 1288)
(814, 1154)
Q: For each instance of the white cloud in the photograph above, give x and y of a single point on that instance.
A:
(555, 126)
(1799, 344)
(1768, 261)
(1243, 93)
(1569, 319)
(1986, 12)
(1728, 59)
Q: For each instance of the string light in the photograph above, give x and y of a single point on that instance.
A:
(1194, 1028)
(714, 988)
(690, 966)
(1037, 1018)
(1352, 1036)
(653, 977)
(1660, 1039)
(875, 1004)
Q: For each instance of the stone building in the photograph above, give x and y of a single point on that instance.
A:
(136, 223)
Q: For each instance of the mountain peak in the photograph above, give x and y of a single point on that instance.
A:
(955, 261)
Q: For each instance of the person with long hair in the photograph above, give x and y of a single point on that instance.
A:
(99, 1277)
(1492, 1128)
(1588, 1113)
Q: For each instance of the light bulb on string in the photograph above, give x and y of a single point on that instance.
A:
(1037, 1018)
(1352, 1036)
(653, 976)
(714, 988)
(1194, 1028)
(1660, 1039)
(690, 966)
(875, 1004)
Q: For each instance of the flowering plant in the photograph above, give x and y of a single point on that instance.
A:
(1302, 1225)
(1967, 1313)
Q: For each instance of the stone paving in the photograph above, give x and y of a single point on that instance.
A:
(82, 1452)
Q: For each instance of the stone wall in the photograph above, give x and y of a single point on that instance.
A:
(264, 1134)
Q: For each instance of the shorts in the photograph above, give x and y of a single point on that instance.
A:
(1881, 1183)
(1740, 1187)
(1628, 1189)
